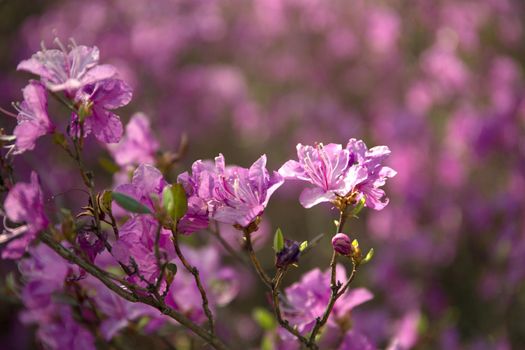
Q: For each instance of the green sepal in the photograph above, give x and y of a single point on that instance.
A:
(278, 241)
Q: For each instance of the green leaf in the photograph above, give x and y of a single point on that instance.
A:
(264, 318)
(278, 241)
(130, 204)
(143, 322)
(174, 201)
(358, 207)
(171, 271)
(368, 256)
(108, 165)
(267, 343)
(172, 268)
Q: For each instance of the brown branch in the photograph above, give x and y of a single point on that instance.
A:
(276, 284)
(195, 272)
(119, 290)
(255, 262)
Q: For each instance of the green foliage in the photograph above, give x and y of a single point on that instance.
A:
(130, 204)
(174, 201)
(278, 241)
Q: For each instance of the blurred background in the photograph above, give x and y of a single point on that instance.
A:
(439, 82)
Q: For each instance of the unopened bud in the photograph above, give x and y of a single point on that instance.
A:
(342, 244)
(288, 255)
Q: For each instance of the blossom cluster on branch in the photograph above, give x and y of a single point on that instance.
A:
(124, 261)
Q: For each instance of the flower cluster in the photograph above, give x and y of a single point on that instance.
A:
(92, 90)
(234, 195)
(443, 90)
(337, 173)
(123, 264)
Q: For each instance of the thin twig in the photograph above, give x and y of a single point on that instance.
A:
(255, 262)
(235, 254)
(195, 272)
(276, 284)
(335, 286)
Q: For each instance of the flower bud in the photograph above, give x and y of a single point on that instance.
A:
(342, 244)
(288, 255)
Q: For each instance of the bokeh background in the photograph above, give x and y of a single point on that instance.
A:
(440, 82)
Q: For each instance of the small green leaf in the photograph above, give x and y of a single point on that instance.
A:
(143, 322)
(174, 201)
(104, 201)
(172, 268)
(59, 139)
(171, 271)
(267, 343)
(358, 207)
(130, 204)
(278, 241)
(303, 246)
(355, 243)
(108, 165)
(264, 318)
(368, 256)
(422, 325)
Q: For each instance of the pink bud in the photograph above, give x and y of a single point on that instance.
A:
(342, 244)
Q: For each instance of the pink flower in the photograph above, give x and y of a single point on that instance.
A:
(67, 70)
(101, 98)
(24, 204)
(328, 168)
(240, 195)
(338, 172)
(138, 145)
(307, 299)
(33, 120)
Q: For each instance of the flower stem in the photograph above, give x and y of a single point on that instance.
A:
(255, 262)
(195, 272)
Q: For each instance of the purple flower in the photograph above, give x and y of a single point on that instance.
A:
(147, 180)
(137, 241)
(24, 204)
(33, 120)
(342, 244)
(119, 312)
(328, 168)
(377, 174)
(307, 299)
(356, 341)
(99, 99)
(199, 189)
(240, 195)
(138, 144)
(340, 173)
(62, 331)
(221, 283)
(45, 274)
(137, 235)
(406, 333)
(62, 70)
(90, 244)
